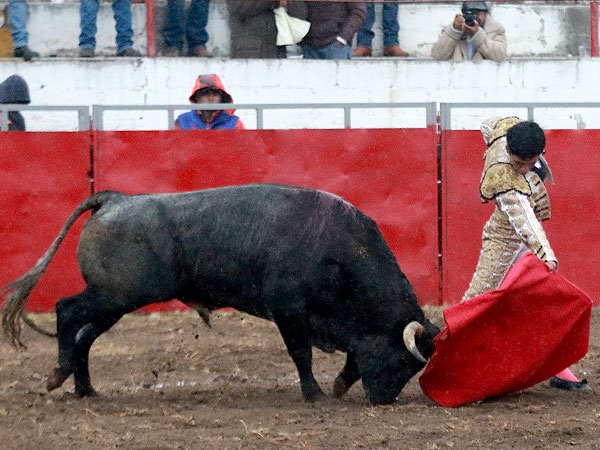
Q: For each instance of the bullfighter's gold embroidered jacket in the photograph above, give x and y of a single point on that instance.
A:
(522, 203)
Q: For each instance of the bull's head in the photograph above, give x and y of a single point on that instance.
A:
(387, 364)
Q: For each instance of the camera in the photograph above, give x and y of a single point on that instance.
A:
(470, 17)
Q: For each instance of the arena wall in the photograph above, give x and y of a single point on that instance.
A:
(168, 81)
(45, 172)
(434, 229)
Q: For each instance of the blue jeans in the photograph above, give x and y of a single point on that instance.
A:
(390, 26)
(194, 28)
(331, 51)
(89, 15)
(17, 13)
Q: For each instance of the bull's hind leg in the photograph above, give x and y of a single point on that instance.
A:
(80, 320)
(66, 340)
(347, 377)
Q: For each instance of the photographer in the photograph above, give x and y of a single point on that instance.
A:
(473, 36)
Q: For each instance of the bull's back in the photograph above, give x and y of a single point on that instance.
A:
(226, 238)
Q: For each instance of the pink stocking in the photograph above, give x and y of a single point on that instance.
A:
(566, 375)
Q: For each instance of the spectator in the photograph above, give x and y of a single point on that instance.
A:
(14, 90)
(253, 30)
(193, 27)
(17, 14)
(333, 26)
(391, 46)
(474, 35)
(89, 16)
(512, 164)
(209, 89)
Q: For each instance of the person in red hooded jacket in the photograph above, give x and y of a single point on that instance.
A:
(209, 89)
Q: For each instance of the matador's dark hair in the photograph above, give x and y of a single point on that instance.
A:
(526, 140)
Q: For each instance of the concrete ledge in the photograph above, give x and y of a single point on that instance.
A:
(168, 81)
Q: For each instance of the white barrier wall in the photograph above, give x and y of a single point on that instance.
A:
(143, 81)
(532, 29)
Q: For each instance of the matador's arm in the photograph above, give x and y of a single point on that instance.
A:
(521, 216)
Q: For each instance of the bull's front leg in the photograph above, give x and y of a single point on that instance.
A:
(294, 332)
(347, 377)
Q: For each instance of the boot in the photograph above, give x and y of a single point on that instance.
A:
(394, 50)
(199, 52)
(26, 53)
(171, 52)
(86, 52)
(361, 51)
(129, 52)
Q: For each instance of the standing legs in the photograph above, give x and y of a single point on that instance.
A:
(80, 320)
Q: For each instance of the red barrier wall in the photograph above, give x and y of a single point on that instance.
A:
(389, 174)
(573, 230)
(43, 177)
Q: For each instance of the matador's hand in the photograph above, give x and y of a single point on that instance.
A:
(552, 266)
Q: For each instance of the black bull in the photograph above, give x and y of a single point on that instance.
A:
(307, 260)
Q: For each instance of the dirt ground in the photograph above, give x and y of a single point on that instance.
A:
(166, 381)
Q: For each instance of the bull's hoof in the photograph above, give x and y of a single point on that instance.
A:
(340, 387)
(313, 395)
(87, 391)
(57, 378)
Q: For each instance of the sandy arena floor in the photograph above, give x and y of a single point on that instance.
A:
(166, 381)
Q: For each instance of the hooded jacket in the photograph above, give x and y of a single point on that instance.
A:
(222, 119)
(15, 90)
(488, 43)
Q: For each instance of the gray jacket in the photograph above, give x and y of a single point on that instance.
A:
(488, 43)
(252, 27)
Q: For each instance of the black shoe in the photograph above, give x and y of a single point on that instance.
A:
(87, 52)
(129, 52)
(578, 386)
(26, 53)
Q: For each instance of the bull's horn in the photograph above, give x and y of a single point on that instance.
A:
(410, 331)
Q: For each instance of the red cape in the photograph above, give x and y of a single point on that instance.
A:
(535, 325)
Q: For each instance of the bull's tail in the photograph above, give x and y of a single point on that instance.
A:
(21, 288)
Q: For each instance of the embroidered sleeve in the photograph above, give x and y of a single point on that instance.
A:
(539, 197)
(487, 128)
(521, 216)
(500, 178)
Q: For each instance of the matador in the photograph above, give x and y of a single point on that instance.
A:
(522, 203)
(513, 178)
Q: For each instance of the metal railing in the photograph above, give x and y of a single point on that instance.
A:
(98, 110)
(446, 108)
(83, 113)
